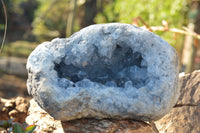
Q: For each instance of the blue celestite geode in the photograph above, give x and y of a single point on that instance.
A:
(105, 71)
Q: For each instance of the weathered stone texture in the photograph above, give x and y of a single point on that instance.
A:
(106, 126)
(185, 117)
(47, 124)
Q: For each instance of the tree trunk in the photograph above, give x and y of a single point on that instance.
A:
(71, 17)
(189, 50)
(90, 12)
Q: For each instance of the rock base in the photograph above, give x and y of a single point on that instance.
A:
(185, 116)
(47, 124)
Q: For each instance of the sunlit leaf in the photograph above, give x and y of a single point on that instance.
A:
(30, 128)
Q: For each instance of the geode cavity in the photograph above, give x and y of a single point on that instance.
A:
(105, 71)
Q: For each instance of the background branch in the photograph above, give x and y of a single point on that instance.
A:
(4, 36)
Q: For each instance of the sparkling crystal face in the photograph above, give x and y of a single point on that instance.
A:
(122, 69)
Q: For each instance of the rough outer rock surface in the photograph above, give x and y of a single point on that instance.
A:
(185, 116)
(105, 71)
(45, 124)
(107, 126)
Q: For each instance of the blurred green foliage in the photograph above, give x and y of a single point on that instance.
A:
(50, 19)
(18, 9)
(51, 16)
(20, 15)
(14, 127)
(18, 49)
(151, 11)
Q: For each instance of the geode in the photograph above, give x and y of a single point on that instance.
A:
(111, 70)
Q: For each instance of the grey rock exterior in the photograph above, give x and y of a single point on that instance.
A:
(105, 71)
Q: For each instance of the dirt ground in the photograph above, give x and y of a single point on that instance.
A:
(12, 86)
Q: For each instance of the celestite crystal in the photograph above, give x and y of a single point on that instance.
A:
(105, 71)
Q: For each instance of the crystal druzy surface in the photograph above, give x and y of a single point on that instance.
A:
(105, 71)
